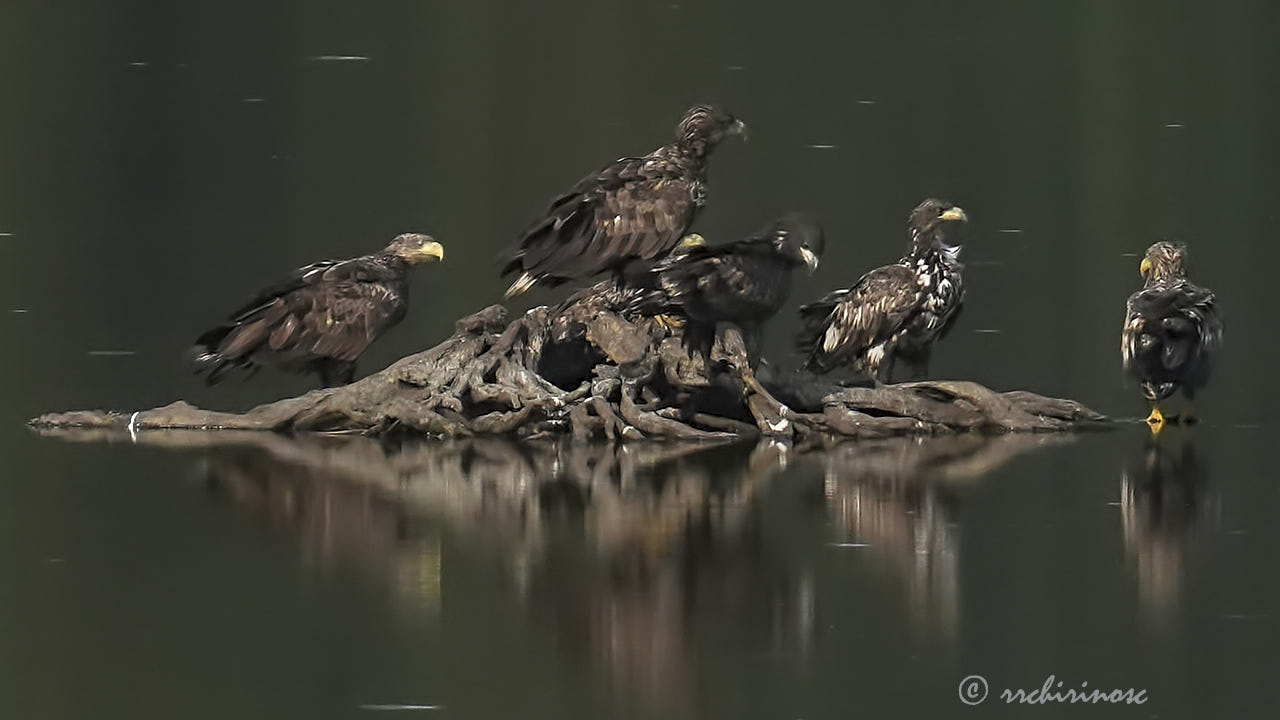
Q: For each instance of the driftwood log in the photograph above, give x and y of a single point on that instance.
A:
(585, 369)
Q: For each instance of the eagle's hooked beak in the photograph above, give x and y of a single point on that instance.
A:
(1144, 267)
(954, 214)
(430, 251)
(739, 128)
(691, 241)
(810, 259)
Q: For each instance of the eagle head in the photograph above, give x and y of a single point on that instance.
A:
(937, 223)
(1163, 262)
(415, 249)
(704, 126)
(798, 238)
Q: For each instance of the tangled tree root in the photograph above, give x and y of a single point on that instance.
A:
(585, 370)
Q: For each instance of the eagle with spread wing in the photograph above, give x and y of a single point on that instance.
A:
(320, 318)
(744, 282)
(1172, 329)
(895, 312)
(636, 208)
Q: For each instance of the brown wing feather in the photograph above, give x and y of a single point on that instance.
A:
(636, 208)
(869, 313)
(343, 322)
(1170, 337)
(323, 312)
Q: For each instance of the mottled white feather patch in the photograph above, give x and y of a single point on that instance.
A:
(876, 355)
(831, 339)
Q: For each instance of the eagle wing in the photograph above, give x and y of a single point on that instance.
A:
(1171, 333)
(726, 285)
(633, 208)
(846, 323)
(336, 320)
(329, 310)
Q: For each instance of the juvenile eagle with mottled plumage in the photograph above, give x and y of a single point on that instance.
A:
(320, 318)
(636, 208)
(895, 312)
(1172, 328)
(744, 282)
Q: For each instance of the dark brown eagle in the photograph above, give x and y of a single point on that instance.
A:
(1172, 329)
(636, 208)
(743, 282)
(895, 312)
(320, 318)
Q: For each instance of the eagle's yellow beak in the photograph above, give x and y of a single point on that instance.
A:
(429, 251)
(690, 241)
(954, 214)
(1144, 267)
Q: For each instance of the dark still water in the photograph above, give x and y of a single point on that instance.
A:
(161, 161)
(256, 576)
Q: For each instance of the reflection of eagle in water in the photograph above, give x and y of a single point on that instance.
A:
(320, 318)
(895, 311)
(1160, 506)
(634, 208)
(1172, 329)
(743, 282)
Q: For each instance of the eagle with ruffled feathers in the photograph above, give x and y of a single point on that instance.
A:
(1172, 329)
(744, 283)
(320, 318)
(636, 208)
(895, 312)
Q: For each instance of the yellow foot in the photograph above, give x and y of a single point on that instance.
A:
(670, 322)
(1155, 421)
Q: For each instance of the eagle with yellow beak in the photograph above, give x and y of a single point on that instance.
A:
(1172, 330)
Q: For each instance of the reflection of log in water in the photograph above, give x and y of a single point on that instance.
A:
(630, 553)
(1161, 503)
(623, 550)
(676, 553)
(337, 524)
(899, 497)
(615, 546)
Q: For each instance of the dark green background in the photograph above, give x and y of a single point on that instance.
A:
(160, 161)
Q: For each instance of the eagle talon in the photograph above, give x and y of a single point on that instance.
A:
(669, 322)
